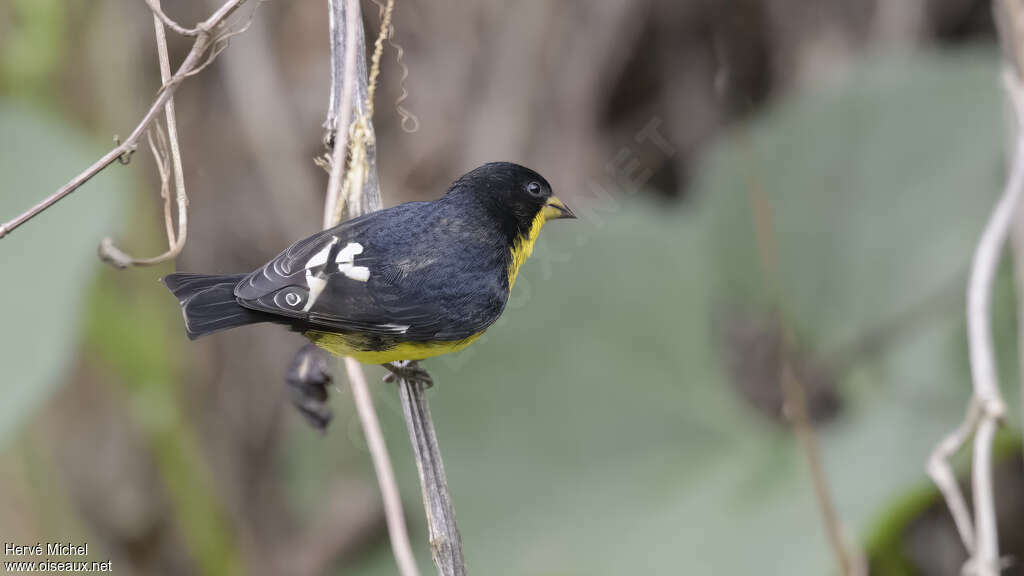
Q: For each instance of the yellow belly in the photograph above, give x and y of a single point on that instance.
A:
(349, 345)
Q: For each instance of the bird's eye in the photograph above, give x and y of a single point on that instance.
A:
(534, 188)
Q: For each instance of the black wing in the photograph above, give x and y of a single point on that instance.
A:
(387, 274)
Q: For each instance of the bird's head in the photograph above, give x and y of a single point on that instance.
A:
(518, 198)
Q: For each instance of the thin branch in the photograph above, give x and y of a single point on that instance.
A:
(982, 356)
(793, 389)
(944, 477)
(987, 405)
(176, 242)
(341, 124)
(445, 540)
(795, 394)
(348, 49)
(161, 155)
(205, 39)
(154, 5)
(382, 464)
(1010, 23)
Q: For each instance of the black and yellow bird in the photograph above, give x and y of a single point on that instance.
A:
(406, 283)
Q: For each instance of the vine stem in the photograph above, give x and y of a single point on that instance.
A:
(348, 83)
(445, 541)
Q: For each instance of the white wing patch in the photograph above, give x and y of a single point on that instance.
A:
(344, 260)
(315, 283)
(320, 257)
(345, 266)
(351, 250)
(316, 286)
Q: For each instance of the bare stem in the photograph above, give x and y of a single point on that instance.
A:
(982, 355)
(987, 404)
(352, 18)
(1009, 18)
(346, 30)
(445, 540)
(206, 40)
(176, 242)
(793, 389)
(382, 464)
(158, 12)
(795, 395)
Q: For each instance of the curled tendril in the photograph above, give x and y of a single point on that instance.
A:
(410, 122)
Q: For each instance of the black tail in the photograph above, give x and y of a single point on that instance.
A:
(208, 303)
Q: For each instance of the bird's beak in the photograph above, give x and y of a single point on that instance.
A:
(555, 209)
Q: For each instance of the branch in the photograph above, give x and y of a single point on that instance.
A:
(1010, 23)
(849, 561)
(348, 62)
(363, 195)
(445, 540)
(982, 356)
(176, 242)
(987, 407)
(385, 473)
(795, 395)
(154, 5)
(207, 40)
(340, 124)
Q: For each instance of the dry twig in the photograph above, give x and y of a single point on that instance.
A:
(176, 242)
(987, 407)
(793, 389)
(1009, 17)
(445, 540)
(209, 40)
(363, 196)
(348, 49)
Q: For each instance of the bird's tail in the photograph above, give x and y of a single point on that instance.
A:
(208, 303)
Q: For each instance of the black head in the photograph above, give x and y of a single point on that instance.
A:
(514, 194)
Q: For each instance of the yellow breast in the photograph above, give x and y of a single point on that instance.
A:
(523, 246)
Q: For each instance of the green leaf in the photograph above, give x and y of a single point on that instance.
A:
(48, 262)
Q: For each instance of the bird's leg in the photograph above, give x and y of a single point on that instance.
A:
(409, 370)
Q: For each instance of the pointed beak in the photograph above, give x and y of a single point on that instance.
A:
(555, 209)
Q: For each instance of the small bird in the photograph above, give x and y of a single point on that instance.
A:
(401, 284)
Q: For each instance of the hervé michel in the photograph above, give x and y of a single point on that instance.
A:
(52, 549)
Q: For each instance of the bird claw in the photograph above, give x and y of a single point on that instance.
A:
(410, 371)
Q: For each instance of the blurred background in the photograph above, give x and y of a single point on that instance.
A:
(625, 415)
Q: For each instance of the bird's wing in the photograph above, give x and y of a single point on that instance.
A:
(378, 275)
(289, 267)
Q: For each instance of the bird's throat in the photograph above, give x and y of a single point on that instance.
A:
(522, 247)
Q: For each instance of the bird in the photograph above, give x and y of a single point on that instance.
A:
(394, 286)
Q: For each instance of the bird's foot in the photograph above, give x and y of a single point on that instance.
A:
(410, 371)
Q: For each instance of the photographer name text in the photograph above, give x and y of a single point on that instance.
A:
(46, 549)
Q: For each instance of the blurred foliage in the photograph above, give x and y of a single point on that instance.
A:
(49, 261)
(31, 53)
(129, 333)
(595, 431)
